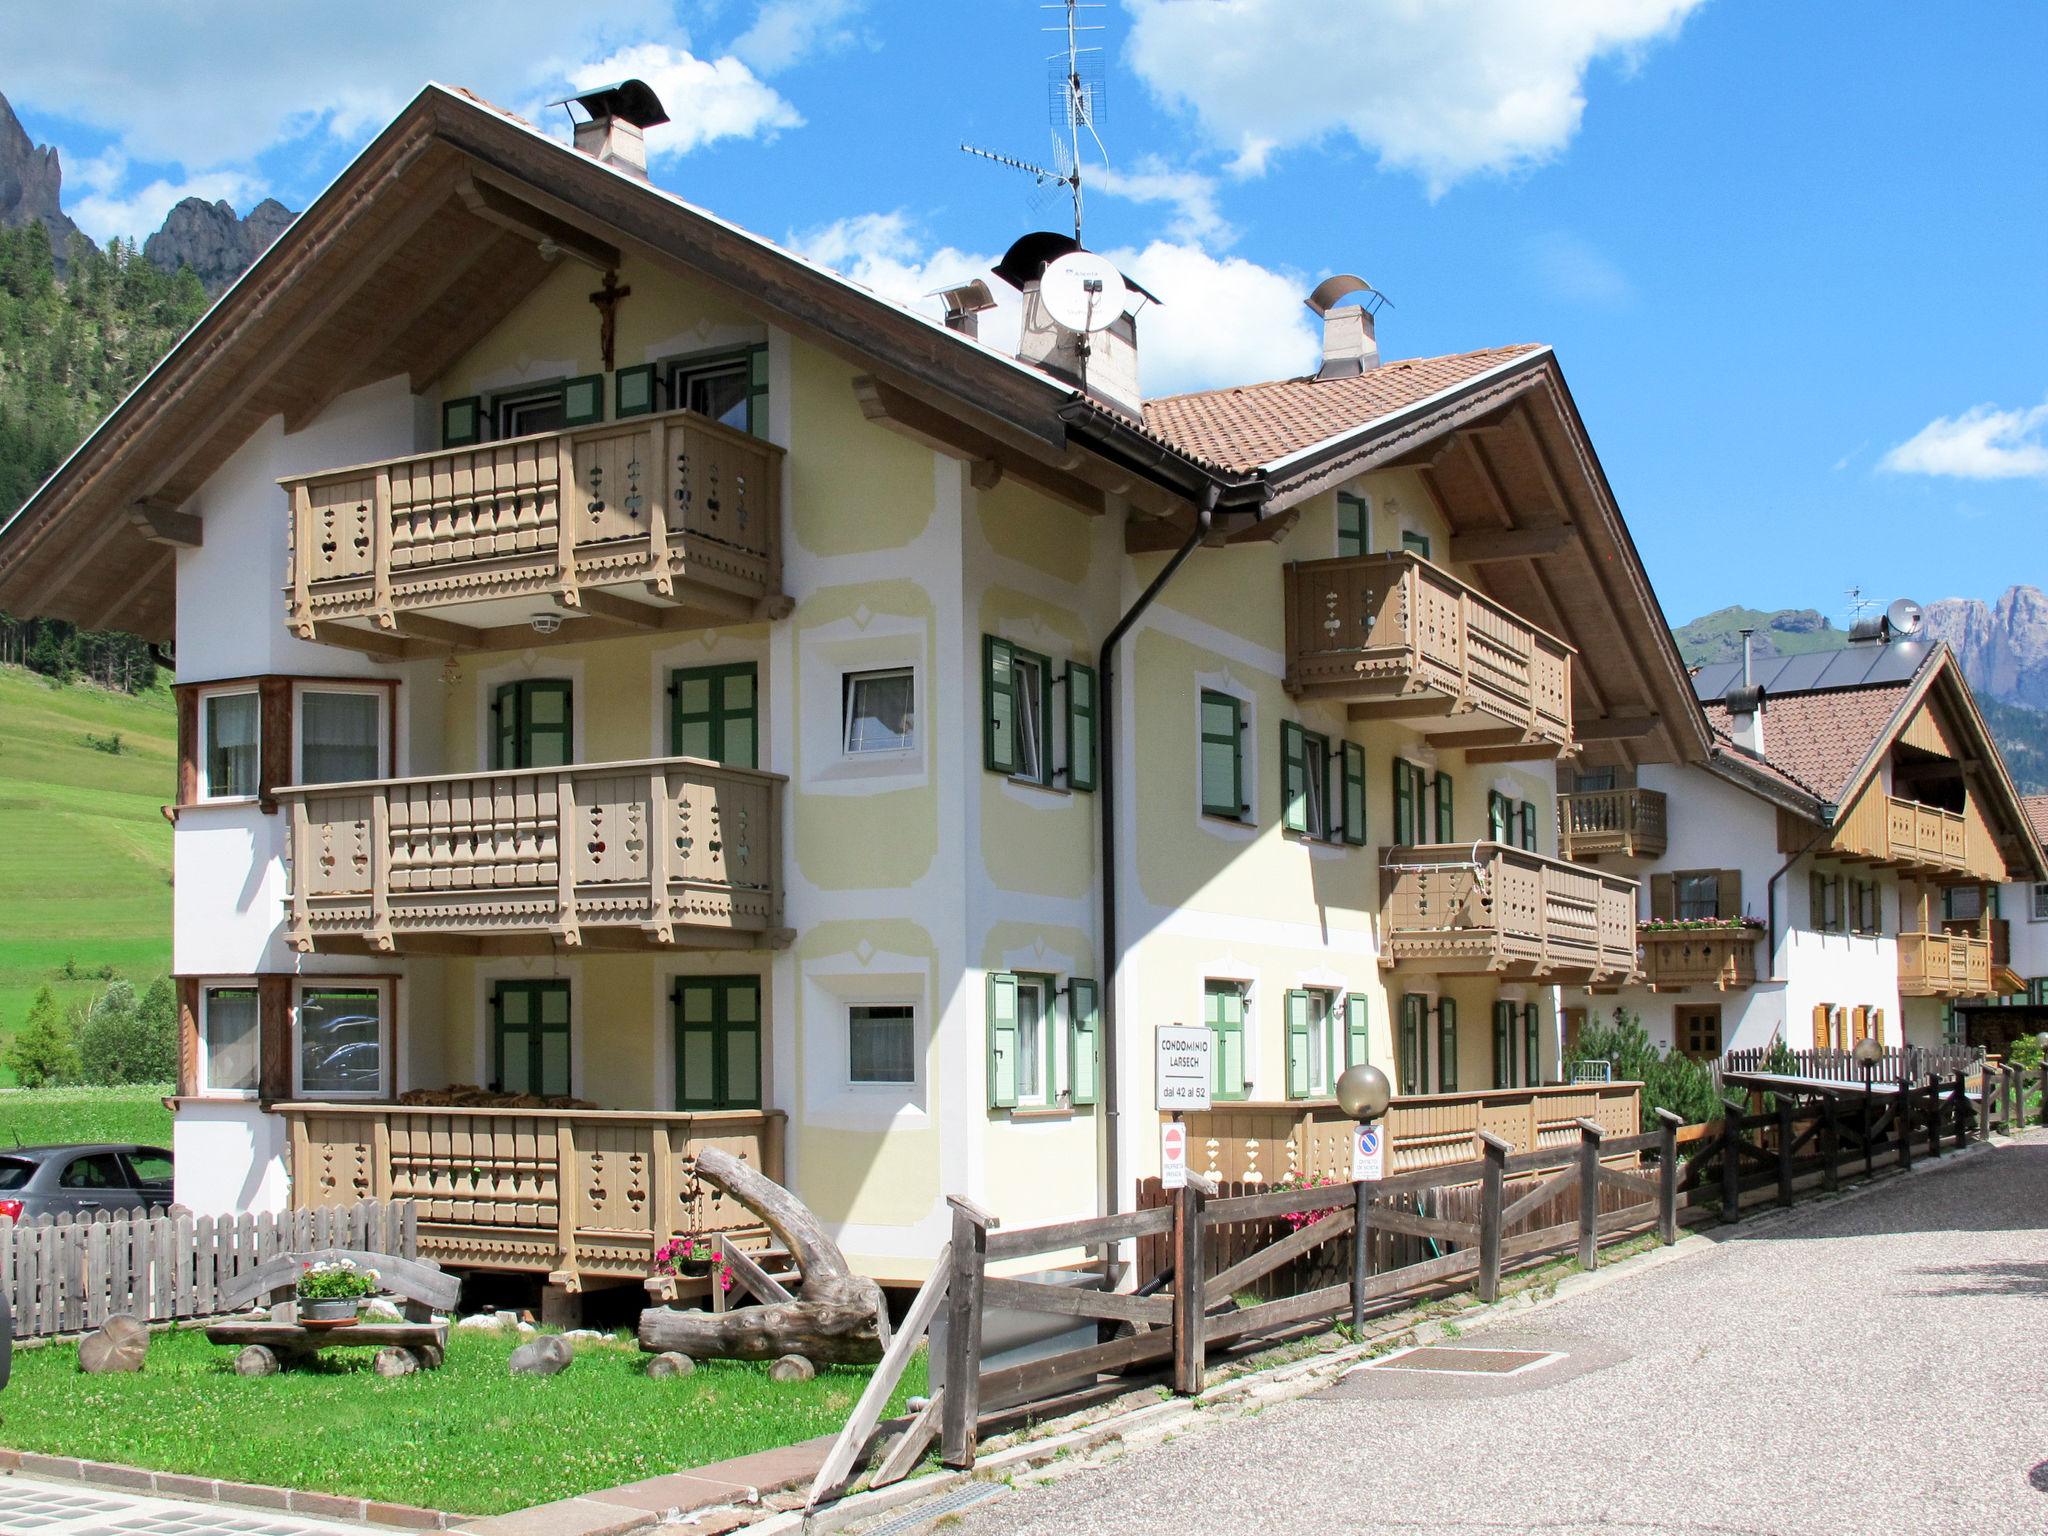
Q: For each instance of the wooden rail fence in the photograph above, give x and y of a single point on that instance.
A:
(67, 1276)
(1918, 1062)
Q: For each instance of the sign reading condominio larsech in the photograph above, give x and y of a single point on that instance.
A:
(1183, 1066)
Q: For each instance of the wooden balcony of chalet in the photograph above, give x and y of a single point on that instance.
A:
(1944, 965)
(1692, 959)
(1897, 833)
(1467, 908)
(1402, 639)
(1629, 822)
(622, 855)
(654, 522)
(571, 1191)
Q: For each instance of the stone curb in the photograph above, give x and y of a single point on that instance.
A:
(209, 1490)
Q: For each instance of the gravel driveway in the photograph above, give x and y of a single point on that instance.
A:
(1870, 1364)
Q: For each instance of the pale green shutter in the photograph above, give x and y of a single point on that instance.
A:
(1222, 727)
(999, 705)
(1500, 817)
(1445, 824)
(1404, 803)
(1529, 825)
(583, 400)
(1293, 777)
(1447, 1045)
(633, 391)
(1532, 1054)
(1297, 1045)
(1357, 1039)
(462, 421)
(1411, 1063)
(1223, 1012)
(1002, 1040)
(1084, 1032)
(1354, 792)
(1080, 726)
(1503, 1045)
(1351, 536)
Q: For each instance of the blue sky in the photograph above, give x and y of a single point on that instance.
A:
(1790, 254)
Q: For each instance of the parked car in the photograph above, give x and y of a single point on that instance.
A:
(78, 1180)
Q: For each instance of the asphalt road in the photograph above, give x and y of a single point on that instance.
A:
(1873, 1364)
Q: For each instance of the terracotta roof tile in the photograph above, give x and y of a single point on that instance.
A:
(2037, 814)
(1253, 424)
(1818, 740)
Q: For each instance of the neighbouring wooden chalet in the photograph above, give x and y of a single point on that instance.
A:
(638, 690)
(2019, 931)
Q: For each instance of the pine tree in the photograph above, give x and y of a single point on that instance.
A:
(41, 1052)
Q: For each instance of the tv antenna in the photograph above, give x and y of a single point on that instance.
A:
(1074, 102)
(1858, 605)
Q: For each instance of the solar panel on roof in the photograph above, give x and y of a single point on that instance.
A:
(1855, 666)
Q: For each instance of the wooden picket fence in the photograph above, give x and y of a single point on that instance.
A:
(70, 1274)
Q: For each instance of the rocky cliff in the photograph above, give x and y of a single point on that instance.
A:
(31, 180)
(213, 241)
(2003, 646)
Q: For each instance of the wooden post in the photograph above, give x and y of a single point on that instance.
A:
(1189, 1315)
(1492, 1183)
(1667, 1177)
(2044, 1093)
(568, 1195)
(1731, 1160)
(1869, 1155)
(1905, 1123)
(1784, 1149)
(1957, 1104)
(1828, 1138)
(962, 1409)
(1589, 1194)
(1361, 1249)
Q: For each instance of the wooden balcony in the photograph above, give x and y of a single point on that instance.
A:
(575, 1192)
(1944, 965)
(1402, 639)
(1466, 908)
(1901, 834)
(1694, 959)
(655, 522)
(1629, 822)
(631, 855)
(1261, 1143)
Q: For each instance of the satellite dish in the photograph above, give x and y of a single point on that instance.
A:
(1905, 617)
(1083, 292)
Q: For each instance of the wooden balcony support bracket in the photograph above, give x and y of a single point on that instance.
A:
(380, 539)
(434, 634)
(301, 936)
(160, 522)
(606, 605)
(380, 873)
(496, 205)
(1512, 544)
(660, 853)
(1414, 707)
(565, 926)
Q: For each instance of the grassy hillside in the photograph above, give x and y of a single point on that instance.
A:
(1785, 632)
(85, 853)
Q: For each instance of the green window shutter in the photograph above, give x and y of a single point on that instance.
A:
(505, 726)
(1416, 544)
(583, 400)
(462, 421)
(1446, 831)
(1080, 726)
(1297, 1045)
(714, 713)
(1084, 1034)
(1223, 1012)
(1532, 1053)
(633, 391)
(1351, 526)
(1357, 1037)
(1354, 793)
(1404, 803)
(1293, 777)
(1499, 817)
(757, 391)
(999, 705)
(1222, 726)
(547, 731)
(1410, 1063)
(1503, 1045)
(1447, 1045)
(1002, 1040)
(1529, 825)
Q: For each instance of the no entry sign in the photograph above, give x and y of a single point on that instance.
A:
(1173, 1156)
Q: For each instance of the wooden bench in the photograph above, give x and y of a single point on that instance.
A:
(267, 1346)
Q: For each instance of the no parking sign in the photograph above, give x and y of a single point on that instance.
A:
(1368, 1152)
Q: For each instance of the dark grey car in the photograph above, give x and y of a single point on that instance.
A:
(79, 1180)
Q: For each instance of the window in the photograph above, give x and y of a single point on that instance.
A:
(1830, 1027)
(1016, 704)
(1354, 525)
(1415, 543)
(549, 407)
(1529, 825)
(228, 1039)
(530, 1037)
(880, 711)
(1223, 1010)
(1309, 1057)
(1593, 781)
(1304, 781)
(2037, 905)
(149, 1167)
(229, 723)
(718, 1042)
(1023, 1035)
(1446, 820)
(1413, 1047)
(1223, 757)
(462, 422)
(714, 713)
(881, 1041)
(341, 1039)
(341, 735)
(1962, 903)
(1500, 817)
(1447, 1045)
(1824, 899)
(533, 724)
(1866, 907)
(1410, 820)
(1034, 1039)
(731, 388)
(1697, 893)
(1532, 1046)
(1698, 1033)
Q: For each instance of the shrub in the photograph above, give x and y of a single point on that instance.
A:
(108, 744)
(41, 1053)
(336, 1280)
(1671, 1080)
(129, 1040)
(2026, 1051)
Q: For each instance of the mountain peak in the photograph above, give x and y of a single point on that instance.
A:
(213, 240)
(31, 183)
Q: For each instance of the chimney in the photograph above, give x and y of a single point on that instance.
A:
(1102, 362)
(964, 306)
(1745, 706)
(1350, 342)
(614, 129)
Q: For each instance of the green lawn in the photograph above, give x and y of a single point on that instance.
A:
(43, 1116)
(85, 854)
(468, 1438)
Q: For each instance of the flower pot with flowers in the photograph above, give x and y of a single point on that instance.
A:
(1322, 1265)
(688, 1256)
(333, 1291)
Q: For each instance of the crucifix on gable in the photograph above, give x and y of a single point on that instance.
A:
(607, 301)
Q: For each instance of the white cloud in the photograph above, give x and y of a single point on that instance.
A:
(1984, 443)
(139, 212)
(1192, 195)
(1442, 88)
(786, 32)
(708, 99)
(1220, 320)
(1571, 269)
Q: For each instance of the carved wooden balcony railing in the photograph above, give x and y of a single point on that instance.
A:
(541, 1190)
(1261, 1143)
(676, 512)
(1904, 834)
(1401, 638)
(1602, 821)
(666, 851)
(1475, 907)
(1693, 959)
(1944, 965)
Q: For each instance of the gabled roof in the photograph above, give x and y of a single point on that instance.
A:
(1819, 740)
(2037, 817)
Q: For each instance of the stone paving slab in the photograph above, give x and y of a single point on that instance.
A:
(31, 1507)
